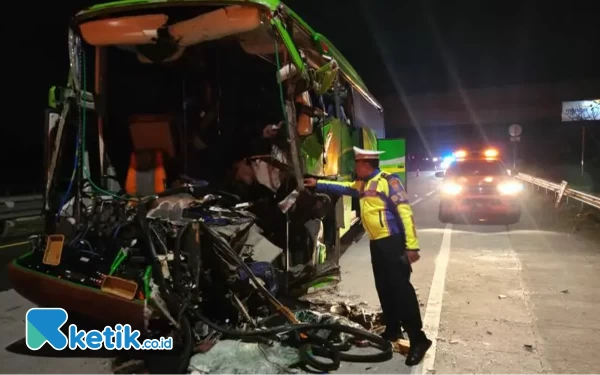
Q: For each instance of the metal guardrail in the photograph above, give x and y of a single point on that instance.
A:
(20, 206)
(20, 214)
(562, 190)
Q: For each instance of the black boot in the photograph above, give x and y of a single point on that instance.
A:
(417, 351)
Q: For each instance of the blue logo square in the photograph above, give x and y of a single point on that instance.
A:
(42, 325)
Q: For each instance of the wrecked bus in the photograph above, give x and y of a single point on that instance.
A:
(175, 159)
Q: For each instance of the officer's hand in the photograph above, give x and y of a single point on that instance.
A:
(310, 182)
(413, 256)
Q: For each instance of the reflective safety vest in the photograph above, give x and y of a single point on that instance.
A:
(384, 205)
(146, 182)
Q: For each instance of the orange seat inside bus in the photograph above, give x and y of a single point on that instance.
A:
(152, 143)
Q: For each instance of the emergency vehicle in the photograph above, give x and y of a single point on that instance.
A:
(478, 185)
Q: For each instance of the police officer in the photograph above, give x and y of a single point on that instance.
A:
(387, 218)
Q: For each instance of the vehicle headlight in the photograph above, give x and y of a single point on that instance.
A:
(510, 188)
(451, 188)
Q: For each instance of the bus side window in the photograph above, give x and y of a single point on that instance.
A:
(329, 104)
(346, 110)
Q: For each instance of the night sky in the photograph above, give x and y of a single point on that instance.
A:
(489, 43)
(417, 46)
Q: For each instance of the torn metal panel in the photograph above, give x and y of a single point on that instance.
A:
(261, 249)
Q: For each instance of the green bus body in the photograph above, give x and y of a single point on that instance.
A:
(337, 158)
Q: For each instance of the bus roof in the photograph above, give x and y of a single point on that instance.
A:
(346, 68)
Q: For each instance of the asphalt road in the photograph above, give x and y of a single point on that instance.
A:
(9, 249)
(495, 298)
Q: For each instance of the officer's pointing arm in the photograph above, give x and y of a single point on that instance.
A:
(350, 188)
(400, 198)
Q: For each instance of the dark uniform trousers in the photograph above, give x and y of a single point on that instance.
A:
(397, 296)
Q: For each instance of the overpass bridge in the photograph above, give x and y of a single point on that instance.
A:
(524, 104)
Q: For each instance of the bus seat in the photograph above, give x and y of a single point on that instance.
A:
(152, 132)
(305, 126)
(152, 143)
(146, 174)
(304, 120)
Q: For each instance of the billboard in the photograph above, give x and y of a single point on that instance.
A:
(581, 110)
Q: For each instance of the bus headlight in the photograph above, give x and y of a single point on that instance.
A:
(510, 188)
(451, 188)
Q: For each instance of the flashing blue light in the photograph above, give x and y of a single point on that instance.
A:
(447, 161)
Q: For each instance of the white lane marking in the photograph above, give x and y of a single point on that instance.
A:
(433, 313)
(14, 245)
(416, 201)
